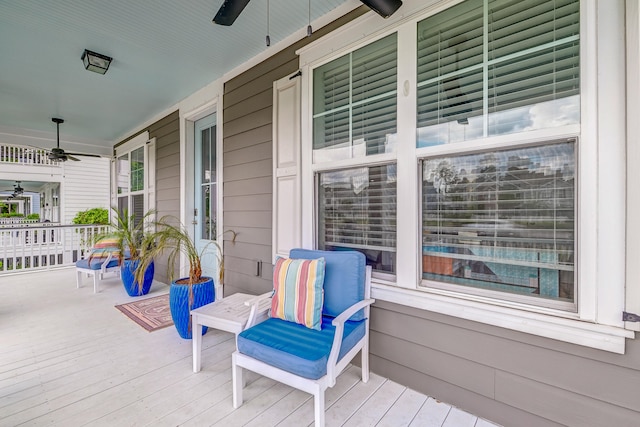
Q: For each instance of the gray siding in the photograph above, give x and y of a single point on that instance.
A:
(167, 134)
(508, 377)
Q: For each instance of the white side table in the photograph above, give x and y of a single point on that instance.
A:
(229, 314)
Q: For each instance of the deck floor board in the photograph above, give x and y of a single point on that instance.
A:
(69, 358)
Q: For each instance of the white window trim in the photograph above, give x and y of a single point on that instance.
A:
(601, 212)
(197, 106)
(205, 102)
(633, 158)
(187, 126)
(133, 143)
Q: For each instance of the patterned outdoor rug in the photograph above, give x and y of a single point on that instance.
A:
(151, 313)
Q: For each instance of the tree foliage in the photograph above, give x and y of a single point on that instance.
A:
(92, 216)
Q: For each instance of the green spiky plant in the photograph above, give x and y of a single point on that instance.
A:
(131, 235)
(173, 238)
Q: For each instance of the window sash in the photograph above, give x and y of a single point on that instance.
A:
(137, 169)
(357, 210)
(475, 79)
(355, 103)
(502, 221)
(130, 177)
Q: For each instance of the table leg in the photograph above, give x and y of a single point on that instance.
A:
(196, 337)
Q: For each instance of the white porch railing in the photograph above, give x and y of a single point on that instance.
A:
(17, 221)
(17, 154)
(42, 247)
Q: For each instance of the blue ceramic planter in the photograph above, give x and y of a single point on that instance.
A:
(127, 273)
(203, 294)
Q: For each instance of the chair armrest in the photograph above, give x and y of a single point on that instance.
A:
(106, 262)
(254, 303)
(346, 315)
(338, 322)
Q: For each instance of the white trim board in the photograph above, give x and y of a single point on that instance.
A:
(578, 332)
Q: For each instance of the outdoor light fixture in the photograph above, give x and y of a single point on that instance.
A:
(95, 62)
(384, 8)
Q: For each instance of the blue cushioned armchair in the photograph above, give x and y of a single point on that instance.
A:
(100, 261)
(308, 359)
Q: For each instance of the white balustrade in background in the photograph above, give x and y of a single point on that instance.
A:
(44, 246)
(18, 154)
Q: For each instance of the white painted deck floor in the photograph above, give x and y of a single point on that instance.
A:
(69, 358)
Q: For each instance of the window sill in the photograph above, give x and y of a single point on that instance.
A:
(602, 337)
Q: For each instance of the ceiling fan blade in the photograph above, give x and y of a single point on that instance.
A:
(82, 154)
(229, 11)
(75, 159)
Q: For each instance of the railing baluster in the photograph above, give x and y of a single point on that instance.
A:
(29, 248)
(18, 154)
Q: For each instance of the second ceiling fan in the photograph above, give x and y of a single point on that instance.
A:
(231, 9)
(17, 190)
(58, 154)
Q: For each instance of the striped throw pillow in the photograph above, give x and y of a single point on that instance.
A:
(103, 254)
(108, 242)
(298, 291)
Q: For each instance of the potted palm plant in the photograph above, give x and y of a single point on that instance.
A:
(129, 235)
(186, 293)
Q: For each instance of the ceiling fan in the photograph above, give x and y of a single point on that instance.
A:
(58, 154)
(17, 190)
(231, 9)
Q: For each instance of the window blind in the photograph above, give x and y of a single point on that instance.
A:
(137, 207)
(531, 57)
(502, 219)
(450, 55)
(355, 102)
(357, 210)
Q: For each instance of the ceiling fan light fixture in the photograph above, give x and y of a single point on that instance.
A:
(384, 8)
(96, 62)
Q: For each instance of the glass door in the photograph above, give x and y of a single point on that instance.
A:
(206, 194)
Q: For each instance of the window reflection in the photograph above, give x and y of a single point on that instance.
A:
(502, 221)
(358, 212)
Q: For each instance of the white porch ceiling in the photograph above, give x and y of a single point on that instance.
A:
(7, 186)
(163, 51)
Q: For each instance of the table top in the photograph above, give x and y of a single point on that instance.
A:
(230, 313)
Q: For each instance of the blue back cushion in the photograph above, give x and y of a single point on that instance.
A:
(344, 279)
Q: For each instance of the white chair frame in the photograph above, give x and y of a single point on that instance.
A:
(98, 275)
(334, 367)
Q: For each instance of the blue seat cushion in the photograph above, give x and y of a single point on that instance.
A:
(96, 263)
(344, 279)
(296, 348)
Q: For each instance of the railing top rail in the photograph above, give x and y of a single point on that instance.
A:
(20, 154)
(47, 226)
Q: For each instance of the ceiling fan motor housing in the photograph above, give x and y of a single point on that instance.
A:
(57, 154)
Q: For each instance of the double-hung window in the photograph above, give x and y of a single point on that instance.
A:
(354, 126)
(130, 178)
(472, 151)
(499, 221)
(134, 176)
